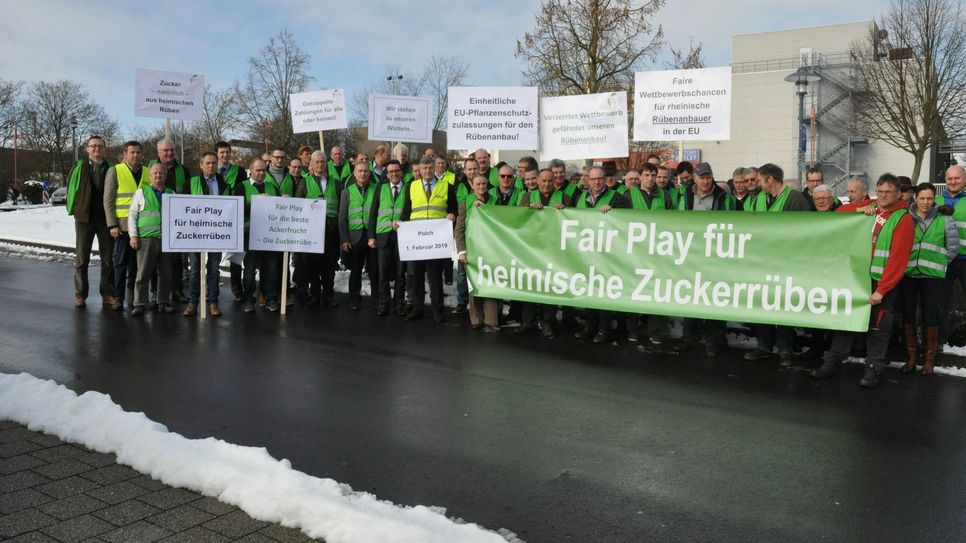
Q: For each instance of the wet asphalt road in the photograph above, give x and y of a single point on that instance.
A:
(554, 440)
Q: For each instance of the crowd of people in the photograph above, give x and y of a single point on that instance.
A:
(918, 249)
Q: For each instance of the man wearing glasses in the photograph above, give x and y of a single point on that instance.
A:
(277, 170)
(85, 201)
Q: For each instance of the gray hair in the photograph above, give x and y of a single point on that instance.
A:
(557, 163)
(751, 170)
(427, 160)
(318, 154)
(165, 141)
(822, 188)
(860, 181)
(740, 170)
(400, 149)
(597, 167)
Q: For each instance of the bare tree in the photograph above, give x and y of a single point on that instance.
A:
(48, 111)
(910, 77)
(686, 60)
(9, 96)
(440, 74)
(588, 46)
(220, 115)
(396, 81)
(280, 69)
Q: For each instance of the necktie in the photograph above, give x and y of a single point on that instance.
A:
(429, 191)
(395, 193)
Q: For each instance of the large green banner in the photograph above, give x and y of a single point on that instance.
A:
(798, 269)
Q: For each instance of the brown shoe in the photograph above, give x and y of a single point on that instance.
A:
(213, 309)
(80, 303)
(932, 347)
(109, 301)
(912, 348)
(189, 311)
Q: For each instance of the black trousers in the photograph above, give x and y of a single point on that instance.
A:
(392, 275)
(361, 256)
(881, 319)
(925, 294)
(433, 271)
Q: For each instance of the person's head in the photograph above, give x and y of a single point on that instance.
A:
(257, 169)
(304, 153)
(482, 157)
(430, 152)
(426, 167)
(526, 163)
(132, 153)
(585, 177)
(381, 155)
(470, 168)
(906, 190)
(295, 167)
(480, 184)
(530, 179)
(662, 177)
(166, 151)
(772, 179)
(925, 197)
(267, 158)
(336, 153)
(439, 165)
(653, 159)
(361, 172)
(545, 181)
(317, 164)
(648, 176)
(887, 191)
(223, 151)
(738, 179)
(157, 174)
(751, 179)
(596, 178)
(95, 148)
(814, 177)
(394, 171)
(955, 179)
(278, 158)
(632, 179)
(857, 189)
(209, 163)
(361, 157)
(559, 171)
(703, 179)
(400, 152)
(685, 173)
(823, 198)
(506, 178)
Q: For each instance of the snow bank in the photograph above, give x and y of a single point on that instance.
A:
(49, 224)
(247, 477)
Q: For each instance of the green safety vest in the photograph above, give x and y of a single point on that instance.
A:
(179, 174)
(729, 202)
(198, 190)
(761, 204)
(929, 257)
(286, 187)
(515, 197)
(751, 201)
(359, 206)
(883, 244)
(604, 199)
(959, 216)
(149, 219)
(251, 191)
(313, 191)
(231, 176)
(556, 197)
(638, 201)
(390, 210)
(494, 176)
(74, 184)
(621, 189)
(340, 175)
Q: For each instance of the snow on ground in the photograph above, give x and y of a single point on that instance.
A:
(247, 477)
(49, 224)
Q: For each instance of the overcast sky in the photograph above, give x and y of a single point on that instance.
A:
(99, 44)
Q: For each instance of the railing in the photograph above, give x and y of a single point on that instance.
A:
(817, 59)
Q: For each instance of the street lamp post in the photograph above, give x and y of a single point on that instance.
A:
(73, 137)
(801, 78)
(394, 90)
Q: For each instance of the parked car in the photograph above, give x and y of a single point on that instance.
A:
(59, 197)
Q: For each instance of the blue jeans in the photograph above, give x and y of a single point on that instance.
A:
(212, 277)
(125, 265)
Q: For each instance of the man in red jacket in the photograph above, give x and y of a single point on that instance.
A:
(892, 238)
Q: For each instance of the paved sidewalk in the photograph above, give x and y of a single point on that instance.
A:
(53, 492)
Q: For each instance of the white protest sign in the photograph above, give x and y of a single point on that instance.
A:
(584, 126)
(318, 110)
(400, 118)
(493, 118)
(425, 240)
(683, 105)
(296, 225)
(169, 95)
(192, 224)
